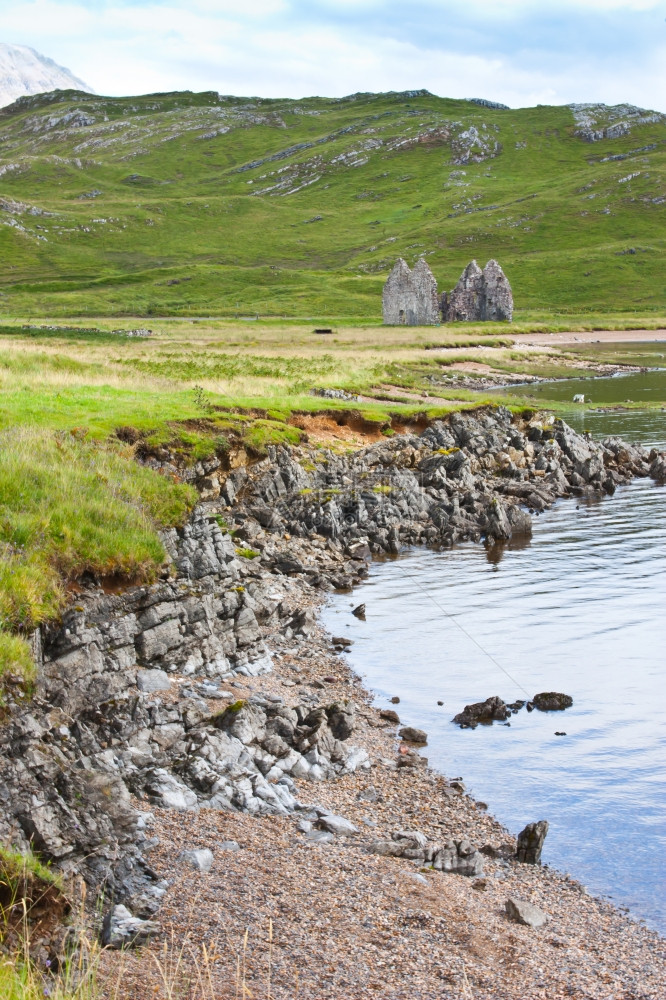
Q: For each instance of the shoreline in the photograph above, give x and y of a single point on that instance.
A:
(274, 859)
(212, 707)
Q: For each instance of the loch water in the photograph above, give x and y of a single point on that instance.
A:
(580, 608)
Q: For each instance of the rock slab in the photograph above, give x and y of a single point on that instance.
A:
(522, 912)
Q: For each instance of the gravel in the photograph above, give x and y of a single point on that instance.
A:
(301, 912)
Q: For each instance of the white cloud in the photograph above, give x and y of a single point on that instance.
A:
(254, 48)
(521, 6)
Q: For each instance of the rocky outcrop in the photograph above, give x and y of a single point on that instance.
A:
(479, 296)
(410, 297)
(135, 689)
(108, 720)
(456, 856)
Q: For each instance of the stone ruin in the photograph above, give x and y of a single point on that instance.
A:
(410, 296)
(479, 295)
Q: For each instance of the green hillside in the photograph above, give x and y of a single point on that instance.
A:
(199, 204)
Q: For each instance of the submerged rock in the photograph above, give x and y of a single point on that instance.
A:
(488, 711)
(552, 701)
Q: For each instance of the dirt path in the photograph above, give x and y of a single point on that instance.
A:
(593, 337)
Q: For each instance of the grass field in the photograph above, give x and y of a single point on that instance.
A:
(77, 402)
(201, 205)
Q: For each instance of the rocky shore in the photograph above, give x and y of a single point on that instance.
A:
(199, 756)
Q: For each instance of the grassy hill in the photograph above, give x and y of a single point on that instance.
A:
(200, 204)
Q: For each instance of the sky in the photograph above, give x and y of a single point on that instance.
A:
(518, 52)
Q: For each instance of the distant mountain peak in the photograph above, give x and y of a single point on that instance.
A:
(24, 71)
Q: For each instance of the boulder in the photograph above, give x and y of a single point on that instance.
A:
(522, 912)
(413, 735)
(341, 719)
(552, 701)
(488, 711)
(123, 930)
(658, 468)
(200, 859)
(458, 857)
(337, 825)
(529, 844)
(390, 716)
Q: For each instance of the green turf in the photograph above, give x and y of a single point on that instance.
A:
(159, 205)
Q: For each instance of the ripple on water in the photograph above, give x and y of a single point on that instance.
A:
(580, 610)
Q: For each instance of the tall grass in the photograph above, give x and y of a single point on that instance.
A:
(70, 506)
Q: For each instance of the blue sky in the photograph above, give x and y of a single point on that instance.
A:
(519, 52)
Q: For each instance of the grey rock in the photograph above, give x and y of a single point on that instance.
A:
(529, 844)
(170, 793)
(413, 735)
(458, 857)
(230, 845)
(390, 716)
(522, 912)
(200, 858)
(552, 701)
(150, 681)
(492, 709)
(123, 930)
(658, 468)
(320, 837)
(337, 825)
(341, 719)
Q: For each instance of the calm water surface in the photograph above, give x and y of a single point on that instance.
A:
(580, 609)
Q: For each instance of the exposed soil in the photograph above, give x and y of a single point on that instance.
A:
(328, 430)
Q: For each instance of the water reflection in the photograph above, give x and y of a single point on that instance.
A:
(495, 550)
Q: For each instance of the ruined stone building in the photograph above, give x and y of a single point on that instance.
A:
(410, 296)
(479, 295)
